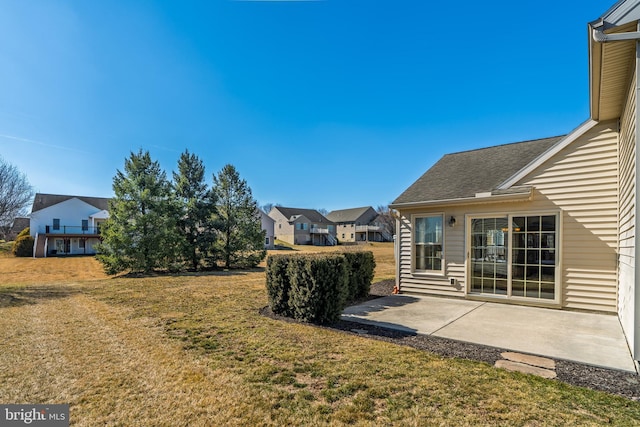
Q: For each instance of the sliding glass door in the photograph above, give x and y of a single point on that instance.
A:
(489, 237)
(514, 256)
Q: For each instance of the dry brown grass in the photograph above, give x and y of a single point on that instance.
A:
(18, 271)
(383, 253)
(112, 368)
(193, 350)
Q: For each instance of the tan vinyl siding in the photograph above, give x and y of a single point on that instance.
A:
(349, 231)
(627, 207)
(581, 181)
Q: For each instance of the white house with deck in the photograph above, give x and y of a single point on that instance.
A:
(66, 225)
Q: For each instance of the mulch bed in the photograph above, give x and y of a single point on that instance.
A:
(625, 384)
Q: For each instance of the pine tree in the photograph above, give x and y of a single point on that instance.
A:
(139, 235)
(240, 240)
(196, 209)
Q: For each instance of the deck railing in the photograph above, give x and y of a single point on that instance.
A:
(318, 230)
(71, 229)
(363, 228)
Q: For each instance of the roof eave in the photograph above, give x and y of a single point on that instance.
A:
(613, 21)
(526, 194)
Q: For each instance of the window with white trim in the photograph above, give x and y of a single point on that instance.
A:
(428, 243)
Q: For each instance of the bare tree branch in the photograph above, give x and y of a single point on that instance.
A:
(15, 193)
(386, 218)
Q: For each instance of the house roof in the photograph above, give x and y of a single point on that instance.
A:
(622, 12)
(264, 215)
(19, 224)
(467, 173)
(348, 215)
(43, 201)
(312, 214)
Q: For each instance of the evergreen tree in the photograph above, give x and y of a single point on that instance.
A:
(240, 240)
(139, 235)
(196, 209)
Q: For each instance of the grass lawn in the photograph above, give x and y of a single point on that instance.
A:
(193, 350)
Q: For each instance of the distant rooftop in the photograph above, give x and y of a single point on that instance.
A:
(347, 215)
(312, 214)
(43, 201)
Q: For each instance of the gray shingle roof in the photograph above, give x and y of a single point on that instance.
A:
(347, 215)
(461, 175)
(312, 214)
(42, 201)
(18, 225)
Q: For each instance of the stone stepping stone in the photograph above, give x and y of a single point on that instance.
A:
(534, 365)
(528, 359)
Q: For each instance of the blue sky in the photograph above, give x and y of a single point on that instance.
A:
(319, 104)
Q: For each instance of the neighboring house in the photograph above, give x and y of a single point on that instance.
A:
(303, 227)
(358, 225)
(18, 225)
(66, 225)
(268, 225)
(551, 222)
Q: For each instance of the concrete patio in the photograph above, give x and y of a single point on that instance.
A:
(593, 339)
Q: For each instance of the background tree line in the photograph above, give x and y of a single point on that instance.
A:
(160, 224)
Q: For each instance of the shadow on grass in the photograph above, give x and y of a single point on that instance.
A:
(17, 297)
(217, 272)
(284, 248)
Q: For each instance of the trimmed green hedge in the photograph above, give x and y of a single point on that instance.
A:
(361, 266)
(278, 284)
(317, 287)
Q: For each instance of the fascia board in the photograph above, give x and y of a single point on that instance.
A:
(564, 142)
(520, 196)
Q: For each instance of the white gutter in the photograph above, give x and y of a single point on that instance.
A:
(635, 353)
(525, 194)
(600, 36)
